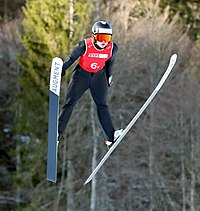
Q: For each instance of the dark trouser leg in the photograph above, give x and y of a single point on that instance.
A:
(98, 88)
(75, 90)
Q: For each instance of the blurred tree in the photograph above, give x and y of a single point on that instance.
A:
(189, 13)
(47, 32)
(9, 46)
(49, 29)
(9, 9)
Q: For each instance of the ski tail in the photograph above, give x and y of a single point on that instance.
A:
(136, 117)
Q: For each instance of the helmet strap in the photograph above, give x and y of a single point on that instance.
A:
(93, 38)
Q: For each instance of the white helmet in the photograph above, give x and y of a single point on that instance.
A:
(102, 27)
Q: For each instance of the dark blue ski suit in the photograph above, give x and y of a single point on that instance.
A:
(83, 80)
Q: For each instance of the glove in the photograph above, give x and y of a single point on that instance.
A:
(110, 80)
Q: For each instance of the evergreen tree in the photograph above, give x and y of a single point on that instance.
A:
(49, 29)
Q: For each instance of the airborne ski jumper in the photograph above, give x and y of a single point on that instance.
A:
(94, 71)
(96, 56)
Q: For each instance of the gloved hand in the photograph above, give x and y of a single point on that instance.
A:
(110, 80)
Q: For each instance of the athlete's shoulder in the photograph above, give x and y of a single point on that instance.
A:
(81, 43)
(115, 47)
(81, 46)
(85, 42)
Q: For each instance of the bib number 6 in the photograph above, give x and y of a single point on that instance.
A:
(94, 65)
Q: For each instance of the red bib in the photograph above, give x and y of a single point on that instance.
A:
(94, 59)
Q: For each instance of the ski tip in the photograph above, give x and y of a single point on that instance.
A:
(57, 59)
(174, 56)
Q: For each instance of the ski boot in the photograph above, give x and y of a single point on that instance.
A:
(117, 134)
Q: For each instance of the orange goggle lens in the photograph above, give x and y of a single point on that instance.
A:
(103, 37)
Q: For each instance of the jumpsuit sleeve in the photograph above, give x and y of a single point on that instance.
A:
(110, 62)
(76, 53)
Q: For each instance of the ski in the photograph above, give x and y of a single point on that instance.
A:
(54, 92)
(136, 117)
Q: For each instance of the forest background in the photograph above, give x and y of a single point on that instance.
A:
(157, 165)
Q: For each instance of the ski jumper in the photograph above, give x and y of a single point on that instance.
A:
(92, 72)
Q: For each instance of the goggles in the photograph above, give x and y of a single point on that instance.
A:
(103, 37)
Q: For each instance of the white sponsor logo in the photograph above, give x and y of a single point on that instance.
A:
(98, 55)
(56, 69)
(55, 77)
